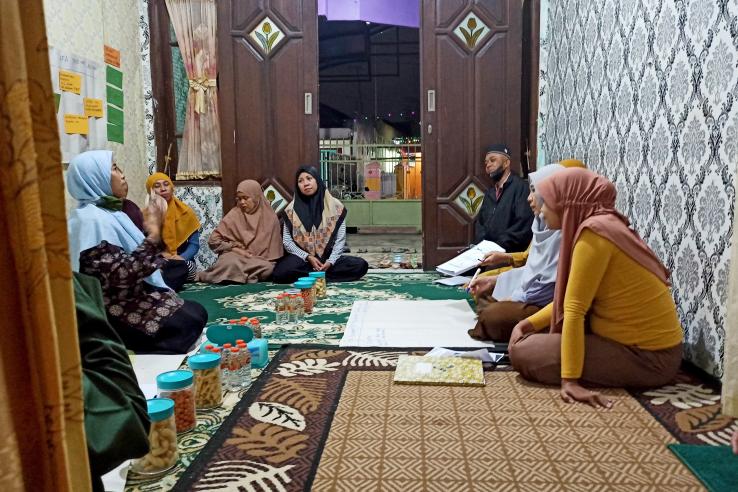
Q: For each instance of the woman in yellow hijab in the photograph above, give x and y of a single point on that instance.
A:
(180, 232)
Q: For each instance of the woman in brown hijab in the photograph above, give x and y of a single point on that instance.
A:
(247, 240)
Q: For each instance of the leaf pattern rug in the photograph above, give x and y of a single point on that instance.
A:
(324, 418)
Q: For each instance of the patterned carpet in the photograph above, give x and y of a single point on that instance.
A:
(331, 419)
(689, 409)
(327, 323)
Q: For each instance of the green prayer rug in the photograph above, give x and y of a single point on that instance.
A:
(327, 322)
(715, 466)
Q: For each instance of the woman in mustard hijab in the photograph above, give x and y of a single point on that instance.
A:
(180, 233)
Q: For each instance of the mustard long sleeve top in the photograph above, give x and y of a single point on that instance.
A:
(625, 303)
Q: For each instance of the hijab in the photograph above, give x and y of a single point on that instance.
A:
(585, 200)
(314, 220)
(534, 282)
(88, 181)
(258, 231)
(309, 208)
(180, 220)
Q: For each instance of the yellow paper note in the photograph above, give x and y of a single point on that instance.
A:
(76, 123)
(70, 81)
(93, 107)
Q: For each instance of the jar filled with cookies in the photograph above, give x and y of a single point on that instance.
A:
(177, 386)
(208, 389)
(321, 290)
(163, 454)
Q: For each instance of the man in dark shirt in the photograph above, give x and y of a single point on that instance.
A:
(505, 216)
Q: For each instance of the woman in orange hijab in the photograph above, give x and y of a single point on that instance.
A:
(180, 233)
(613, 321)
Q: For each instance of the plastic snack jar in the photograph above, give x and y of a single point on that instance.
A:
(208, 386)
(163, 454)
(321, 288)
(177, 386)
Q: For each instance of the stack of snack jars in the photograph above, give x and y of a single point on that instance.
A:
(306, 292)
(321, 288)
(163, 454)
(177, 386)
(208, 389)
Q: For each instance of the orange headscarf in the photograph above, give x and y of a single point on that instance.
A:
(179, 222)
(569, 163)
(585, 200)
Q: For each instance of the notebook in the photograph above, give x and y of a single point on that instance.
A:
(445, 371)
(468, 259)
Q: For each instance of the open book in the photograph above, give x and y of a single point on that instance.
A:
(468, 259)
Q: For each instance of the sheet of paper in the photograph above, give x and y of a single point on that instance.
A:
(93, 107)
(482, 354)
(401, 323)
(148, 366)
(453, 281)
(76, 124)
(115, 133)
(70, 81)
(115, 480)
(115, 96)
(468, 259)
(114, 77)
(115, 116)
(112, 56)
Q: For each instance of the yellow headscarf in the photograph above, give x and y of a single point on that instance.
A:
(180, 221)
(573, 163)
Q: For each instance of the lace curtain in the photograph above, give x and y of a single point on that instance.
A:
(195, 25)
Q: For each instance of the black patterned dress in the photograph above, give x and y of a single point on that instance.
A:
(149, 320)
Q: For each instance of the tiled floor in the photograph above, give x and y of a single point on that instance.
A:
(380, 249)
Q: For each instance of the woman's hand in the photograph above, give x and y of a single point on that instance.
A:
(495, 258)
(152, 226)
(572, 391)
(480, 285)
(326, 266)
(315, 263)
(521, 329)
(734, 441)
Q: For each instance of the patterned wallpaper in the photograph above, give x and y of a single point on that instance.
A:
(643, 91)
(207, 203)
(82, 27)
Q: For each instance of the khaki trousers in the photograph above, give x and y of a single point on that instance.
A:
(496, 319)
(537, 357)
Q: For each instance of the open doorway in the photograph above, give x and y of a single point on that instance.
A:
(370, 147)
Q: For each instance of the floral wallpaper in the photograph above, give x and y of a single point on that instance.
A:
(207, 203)
(643, 91)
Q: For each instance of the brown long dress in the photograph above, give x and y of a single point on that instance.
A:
(248, 244)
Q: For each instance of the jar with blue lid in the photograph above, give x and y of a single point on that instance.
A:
(163, 453)
(307, 294)
(321, 288)
(177, 385)
(208, 389)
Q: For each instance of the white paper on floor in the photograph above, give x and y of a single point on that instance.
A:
(148, 366)
(420, 323)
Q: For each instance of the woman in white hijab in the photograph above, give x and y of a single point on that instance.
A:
(505, 299)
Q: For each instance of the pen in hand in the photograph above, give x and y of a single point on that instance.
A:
(473, 279)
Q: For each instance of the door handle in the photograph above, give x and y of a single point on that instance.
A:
(308, 103)
(431, 100)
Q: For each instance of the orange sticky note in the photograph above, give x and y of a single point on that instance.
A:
(112, 56)
(76, 124)
(93, 107)
(70, 81)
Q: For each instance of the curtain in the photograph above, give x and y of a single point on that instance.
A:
(42, 440)
(195, 25)
(730, 358)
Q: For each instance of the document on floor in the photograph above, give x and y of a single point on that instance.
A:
(453, 281)
(403, 323)
(469, 259)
